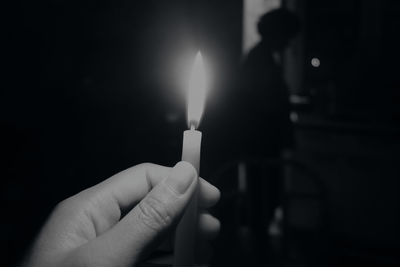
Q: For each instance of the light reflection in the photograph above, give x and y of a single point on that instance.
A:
(315, 62)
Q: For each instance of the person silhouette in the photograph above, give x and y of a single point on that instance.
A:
(264, 87)
(266, 117)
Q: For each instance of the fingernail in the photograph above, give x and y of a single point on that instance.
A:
(181, 177)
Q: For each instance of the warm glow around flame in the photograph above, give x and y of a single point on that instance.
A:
(197, 92)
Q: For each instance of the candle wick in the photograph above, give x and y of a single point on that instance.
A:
(193, 125)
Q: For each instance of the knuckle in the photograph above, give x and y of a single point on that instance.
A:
(72, 205)
(144, 166)
(65, 204)
(153, 213)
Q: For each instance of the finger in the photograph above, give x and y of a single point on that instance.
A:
(138, 232)
(105, 203)
(208, 194)
(130, 186)
(208, 227)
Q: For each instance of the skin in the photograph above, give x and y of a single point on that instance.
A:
(120, 221)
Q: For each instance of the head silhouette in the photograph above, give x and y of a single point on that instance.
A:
(278, 27)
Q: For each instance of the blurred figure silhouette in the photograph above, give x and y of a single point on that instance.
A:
(264, 87)
(265, 114)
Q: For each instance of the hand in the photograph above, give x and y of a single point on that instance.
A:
(121, 220)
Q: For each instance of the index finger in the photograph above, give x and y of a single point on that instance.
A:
(130, 186)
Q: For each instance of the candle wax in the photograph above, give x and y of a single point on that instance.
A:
(185, 237)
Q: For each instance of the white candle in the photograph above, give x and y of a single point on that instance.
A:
(185, 237)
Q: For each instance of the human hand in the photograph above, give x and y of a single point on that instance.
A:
(122, 219)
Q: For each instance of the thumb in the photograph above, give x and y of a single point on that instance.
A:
(137, 233)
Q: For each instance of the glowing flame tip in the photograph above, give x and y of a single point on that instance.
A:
(197, 92)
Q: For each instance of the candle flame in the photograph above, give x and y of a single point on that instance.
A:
(197, 92)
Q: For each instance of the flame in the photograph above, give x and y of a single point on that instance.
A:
(197, 92)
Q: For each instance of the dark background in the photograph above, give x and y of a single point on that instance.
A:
(93, 87)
